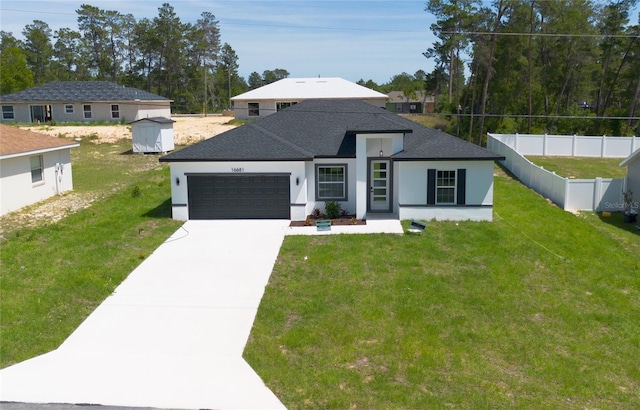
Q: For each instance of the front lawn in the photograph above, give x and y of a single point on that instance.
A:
(538, 309)
(581, 167)
(55, 274)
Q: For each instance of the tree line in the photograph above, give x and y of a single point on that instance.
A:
(185, 62)
(536, 66)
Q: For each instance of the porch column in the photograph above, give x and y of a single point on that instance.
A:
(362, 190)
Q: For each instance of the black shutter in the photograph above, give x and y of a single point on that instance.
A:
(462, 186)
(431, 187)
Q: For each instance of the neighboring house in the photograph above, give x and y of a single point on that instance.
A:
(285, 165)
(632, 162)
(154, 134)
(78, 101)
(420, 103)
(284, 93)
(33, 167)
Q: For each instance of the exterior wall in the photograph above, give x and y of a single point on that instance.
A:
(350, 204)
(267, 107)
(633, 180)
(16, 188)
(100, 111)
(412, 191)
(179, 192)
(148, 136)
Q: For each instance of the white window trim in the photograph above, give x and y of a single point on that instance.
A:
(41, 160)
(344, 182)
(455, 186)
(13, 114)
(69, 109)
(117, 116)
(85, 111)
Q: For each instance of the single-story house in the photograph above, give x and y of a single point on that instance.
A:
(33, 167)
(284, 93)
(79, 101)
(419, 103)
(632, 162)
(285, 165)
(153, 134)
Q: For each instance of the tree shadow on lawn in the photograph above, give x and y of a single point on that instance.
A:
(163, 210)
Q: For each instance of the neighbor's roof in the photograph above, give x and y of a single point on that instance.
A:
(159, 120)
(399, 97)
(310, 88)
(16, 142)
(81, 91)
(635, 154)
(326, 129)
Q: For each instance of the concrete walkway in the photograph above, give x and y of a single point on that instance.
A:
(172, 334)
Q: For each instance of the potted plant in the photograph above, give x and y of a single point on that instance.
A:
(630, 211)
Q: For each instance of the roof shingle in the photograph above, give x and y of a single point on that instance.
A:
(326, 129)
(81, 91)
(14, 140)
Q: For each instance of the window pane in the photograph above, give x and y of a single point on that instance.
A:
(331, 182)
(36, 169)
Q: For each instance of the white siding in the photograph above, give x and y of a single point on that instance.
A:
(179, 193)
(16, 188)
(412, 191)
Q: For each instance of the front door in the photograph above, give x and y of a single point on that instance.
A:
(379, 192)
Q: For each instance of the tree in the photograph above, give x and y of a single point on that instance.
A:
(67, 53)
(271, 76)
(226, 75)
(170, 32)
(38, 50)
(91, 23)
(255, 80)
(14, 73)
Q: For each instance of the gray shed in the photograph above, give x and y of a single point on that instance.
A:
(153, 134)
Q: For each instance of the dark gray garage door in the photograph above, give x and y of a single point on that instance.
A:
(258, 196)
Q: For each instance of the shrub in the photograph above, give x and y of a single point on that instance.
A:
(332, 209)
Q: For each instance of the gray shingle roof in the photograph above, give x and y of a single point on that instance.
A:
(159, 120)
(326, 129)
(81, 91)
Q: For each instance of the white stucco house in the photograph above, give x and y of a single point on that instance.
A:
(285, 165)
(284, 93)
(82, 101)
(632, 162)
(33, 167)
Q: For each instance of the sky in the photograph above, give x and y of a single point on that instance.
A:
(353, 39)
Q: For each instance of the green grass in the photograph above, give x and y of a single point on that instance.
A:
(581, 167)
(430, 120)
(55, 275)
(538, 309)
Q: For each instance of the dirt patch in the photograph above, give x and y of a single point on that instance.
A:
(186, 130)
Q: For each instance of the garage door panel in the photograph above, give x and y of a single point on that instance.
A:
(239, 197)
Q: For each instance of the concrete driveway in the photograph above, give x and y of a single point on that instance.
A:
(172, 334)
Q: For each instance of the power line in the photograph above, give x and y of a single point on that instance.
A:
(488, 33)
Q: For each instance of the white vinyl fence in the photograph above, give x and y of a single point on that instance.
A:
(599, 194)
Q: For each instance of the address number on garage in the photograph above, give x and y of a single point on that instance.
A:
(237, 170)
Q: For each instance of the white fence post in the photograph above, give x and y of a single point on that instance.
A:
(604, 146)
(597, 193)
(544, 145)
(573, 145)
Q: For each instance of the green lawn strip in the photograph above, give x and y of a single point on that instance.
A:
(107, 167)
(53, 276)
(535, 310)
(581, 167)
